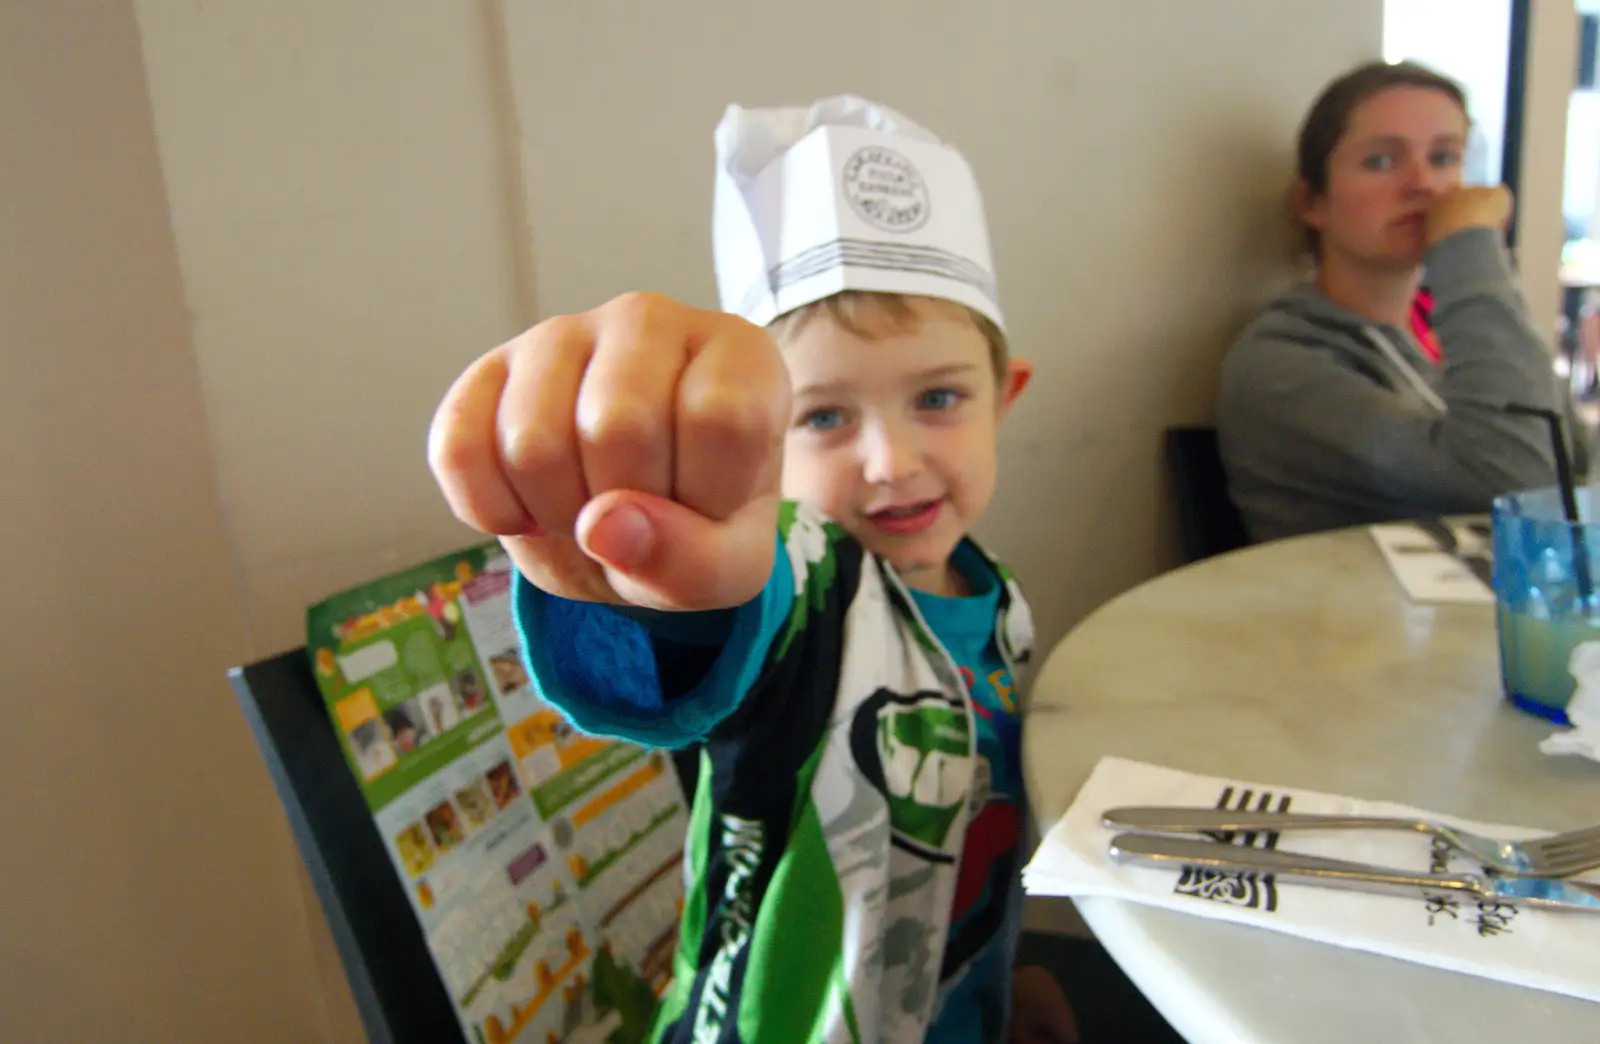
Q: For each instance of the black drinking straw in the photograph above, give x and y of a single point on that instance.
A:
(1569, 496)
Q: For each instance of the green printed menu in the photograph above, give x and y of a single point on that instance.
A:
(542, 864)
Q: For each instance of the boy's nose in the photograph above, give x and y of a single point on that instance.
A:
(889, 456)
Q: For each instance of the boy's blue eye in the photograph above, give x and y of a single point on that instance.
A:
(822, 420)
(938, 399)
(1378, 161)
(1446, 158)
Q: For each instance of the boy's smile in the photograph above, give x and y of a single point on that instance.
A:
(893, 433)
(911, 518)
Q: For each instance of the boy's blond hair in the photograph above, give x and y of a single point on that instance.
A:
(854, 310)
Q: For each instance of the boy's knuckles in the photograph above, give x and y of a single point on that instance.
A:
(624, 428)
(533, 452)
(729, 423)
(552, 335)
(640, 314)
(454, 451)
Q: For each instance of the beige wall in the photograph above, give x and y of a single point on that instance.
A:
(340, 211)
(148, 880)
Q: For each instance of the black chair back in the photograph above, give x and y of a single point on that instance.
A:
(396, 987)
(1209, 523)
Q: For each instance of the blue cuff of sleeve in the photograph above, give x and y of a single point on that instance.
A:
(597, 666)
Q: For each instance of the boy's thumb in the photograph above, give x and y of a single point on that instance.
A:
(622, 537)
(659, 554)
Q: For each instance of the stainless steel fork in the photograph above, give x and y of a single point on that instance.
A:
(1559, 855)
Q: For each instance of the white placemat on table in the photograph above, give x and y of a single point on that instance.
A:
(1429, 574)
(1542, 949)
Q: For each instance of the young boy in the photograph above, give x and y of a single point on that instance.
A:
(853, 852)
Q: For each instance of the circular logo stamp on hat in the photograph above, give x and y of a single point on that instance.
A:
(885, 189)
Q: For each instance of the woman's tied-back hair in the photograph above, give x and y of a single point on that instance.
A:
(1329, 119)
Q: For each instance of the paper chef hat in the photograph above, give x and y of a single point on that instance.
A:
(843, 195)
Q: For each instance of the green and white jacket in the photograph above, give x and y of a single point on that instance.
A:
(835, 787)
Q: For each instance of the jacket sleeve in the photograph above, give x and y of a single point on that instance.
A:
(616, 672)
(1339, 429)
(612, 672)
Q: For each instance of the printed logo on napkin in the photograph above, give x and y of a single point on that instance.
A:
(1537, 948)
(1252, 891)
(1259, 891)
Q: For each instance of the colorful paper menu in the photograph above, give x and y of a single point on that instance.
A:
(544, 866)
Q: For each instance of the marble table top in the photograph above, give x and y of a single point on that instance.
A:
(1302, 663)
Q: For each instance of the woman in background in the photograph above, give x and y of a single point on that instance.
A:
(1333, 411)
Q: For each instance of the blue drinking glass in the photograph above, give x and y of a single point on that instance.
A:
(1545, 604)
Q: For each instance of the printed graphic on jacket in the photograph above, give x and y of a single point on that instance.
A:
(830, 815)
(916, 751)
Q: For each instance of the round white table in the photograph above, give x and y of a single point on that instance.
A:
(1302, 662)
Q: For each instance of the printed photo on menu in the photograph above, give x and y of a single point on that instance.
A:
(544, 866)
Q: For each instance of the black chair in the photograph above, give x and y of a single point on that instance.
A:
(1210, 524)
(392, 976)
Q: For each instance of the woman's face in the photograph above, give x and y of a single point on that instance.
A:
(1401, 150)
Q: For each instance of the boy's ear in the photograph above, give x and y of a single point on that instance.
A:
(1019, 373)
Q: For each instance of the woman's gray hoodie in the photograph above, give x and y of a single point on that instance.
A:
(1328, 419)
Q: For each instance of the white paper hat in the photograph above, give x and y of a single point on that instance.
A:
(843, 195)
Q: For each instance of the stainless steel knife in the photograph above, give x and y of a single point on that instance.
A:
(1185, 819)
(1177, 852)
